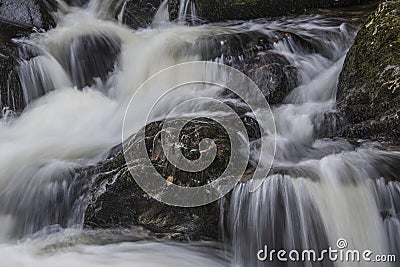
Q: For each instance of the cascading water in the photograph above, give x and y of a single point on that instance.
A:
(187, 11)
(321, 190)
(77, 87)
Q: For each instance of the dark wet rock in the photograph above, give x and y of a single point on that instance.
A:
(231, 47)
(369, 87)
(327, 124)
(90, 56)
(140, 13)
(251, 52)
(34, 13)
(239, 48)
(221, 10)
(117, 200)
(11, 95)
(274, 75)
(79, 3)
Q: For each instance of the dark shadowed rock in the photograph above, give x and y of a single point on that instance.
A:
(369, 87)
(90, 56)
(11, 95)
(79, 3)
(30, 12)
(140, 13)
(220, 10)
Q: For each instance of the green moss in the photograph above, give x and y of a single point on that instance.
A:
(369, 83)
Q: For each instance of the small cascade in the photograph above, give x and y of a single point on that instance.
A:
(106, 9)
(40, 75)
(307, 207)
(187, 12)
(162, 16)
(43, 196)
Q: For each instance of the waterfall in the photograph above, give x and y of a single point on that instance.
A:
(319, 191)
(187, 11)
(162, 15)
(41, 75)
(106, 9)
(308, 208)
(78, 84)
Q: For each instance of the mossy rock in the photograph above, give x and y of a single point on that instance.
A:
(369, 86)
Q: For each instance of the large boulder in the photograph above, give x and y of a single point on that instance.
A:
(140, 13)
(252, 53)
(118, 201)
(273, 74)
(369, 87)
(18, 19)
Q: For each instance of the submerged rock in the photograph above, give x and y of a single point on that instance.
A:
(252, 53)
(274, 75)
(369, 87)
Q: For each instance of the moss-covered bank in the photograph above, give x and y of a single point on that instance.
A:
(369, 87)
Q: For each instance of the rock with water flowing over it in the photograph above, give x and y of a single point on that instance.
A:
(369, 87)
(118, 201)
(36, 13)
(90, 56)
(252, 53)
(274, 75)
